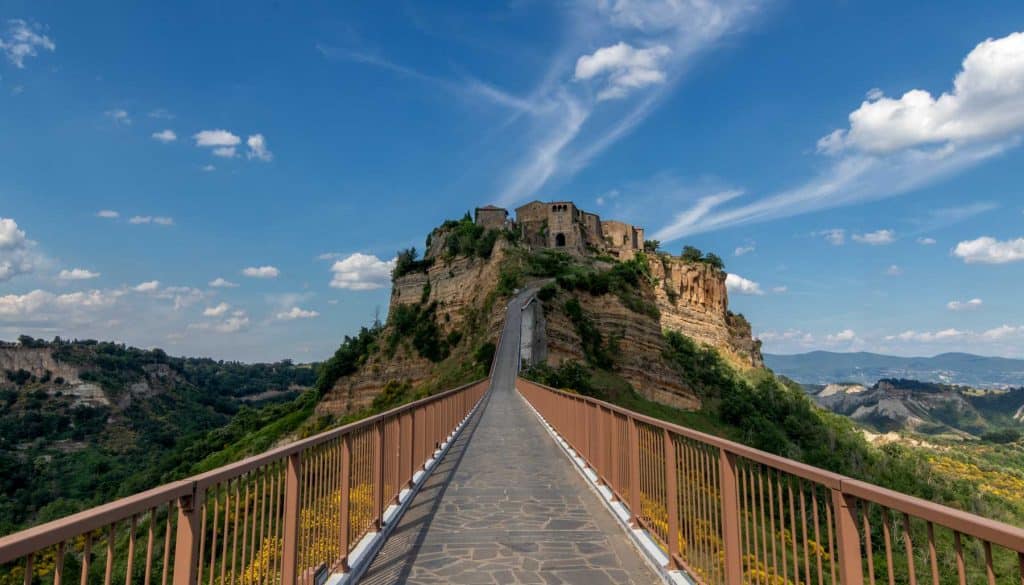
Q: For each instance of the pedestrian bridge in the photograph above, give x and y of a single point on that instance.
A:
(506, 481)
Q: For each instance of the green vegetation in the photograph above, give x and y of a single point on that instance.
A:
(464, 237)
(60, 453)
(418, 322)
(692, 254)
(407, 262)
(351, 354)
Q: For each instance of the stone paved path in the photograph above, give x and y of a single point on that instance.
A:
(506, 506)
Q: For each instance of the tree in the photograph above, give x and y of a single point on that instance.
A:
(404, 261)
(714, 260)
(691, 254)
(651, 245)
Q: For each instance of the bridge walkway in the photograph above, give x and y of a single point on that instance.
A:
(506, 506)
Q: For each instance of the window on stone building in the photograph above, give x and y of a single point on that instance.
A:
(560, 240)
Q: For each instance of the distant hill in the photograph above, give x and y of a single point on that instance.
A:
(825, 367)
(84, 422)
(927, 408)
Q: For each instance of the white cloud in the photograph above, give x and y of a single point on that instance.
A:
(147, 287)
(329, 256)
(361, 272)
(297, 313)
(238, 321)
(626, 68)
(208, 168)
(1002, 332)
(988, 250)
(225, 151)
(874, 94)
(22, 40)
(221, 282)
(926, 241)
(896, 146)
(741, 250)
(165, 136)
(17, 254)
(558, 130)
(212, 138)
(77, 274)
(119, 117)
(258, 148)
(876, 238)
(147, 219)
(10, 235)
(950, 334)
(44, 305)
(261, 272)
(735, 283)
(894, 270)
(986, 103)
(780, 289)
(835, 236)
(844, 336)
(802, 338)
(216, 311)
(160, 114)
(108, 214)
(964, 305)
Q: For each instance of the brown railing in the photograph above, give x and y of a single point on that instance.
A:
(273, 518)
(729, 514)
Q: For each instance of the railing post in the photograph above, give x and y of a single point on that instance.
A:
(730, 517)
(409, 447)
(851, 571)
(378, 475)
(290, 546)
(346, 510)
(186, 544)
(672, 495)
(634, 474)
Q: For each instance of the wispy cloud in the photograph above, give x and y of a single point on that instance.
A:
(894, 146)
(22, 40)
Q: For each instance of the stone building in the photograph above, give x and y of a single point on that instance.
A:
(491, 216)
(562, 225)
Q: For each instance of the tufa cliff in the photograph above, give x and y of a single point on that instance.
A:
(454, 297)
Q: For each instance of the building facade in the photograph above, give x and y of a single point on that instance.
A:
(563, 226)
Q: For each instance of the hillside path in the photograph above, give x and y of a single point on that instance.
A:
(506, 506)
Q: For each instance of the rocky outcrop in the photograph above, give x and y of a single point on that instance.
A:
(693, 300)
(37, 361)
(640, 346)
(460, 287)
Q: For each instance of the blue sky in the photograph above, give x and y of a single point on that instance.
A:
(858, 165)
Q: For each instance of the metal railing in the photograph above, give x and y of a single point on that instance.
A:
(729, 514)
(273, 518)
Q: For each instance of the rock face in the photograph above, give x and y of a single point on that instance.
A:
(460, 288)
(693, 300)
(640, 342)
(38, 361)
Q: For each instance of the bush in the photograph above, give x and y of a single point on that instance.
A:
(569, 375)
(406, 263)
(349, 356)
(485, 355)
(547, 292)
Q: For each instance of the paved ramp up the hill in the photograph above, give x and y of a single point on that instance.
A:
(506, 506)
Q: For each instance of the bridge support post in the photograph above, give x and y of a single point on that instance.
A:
(730, 518)
(378, 475)
(851, 570)
(290, 546)
(634, 474)
(672, 495)
(186, 544)
(346, 510)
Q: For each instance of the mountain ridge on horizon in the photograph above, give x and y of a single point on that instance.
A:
(824, 367)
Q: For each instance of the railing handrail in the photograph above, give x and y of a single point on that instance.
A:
(993, 531)
(237, 468)
(18, 544)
